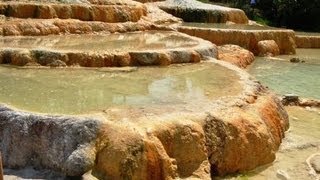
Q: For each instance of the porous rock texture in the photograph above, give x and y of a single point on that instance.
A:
(268, 48)
(304, 41)
(247, 39)
(86, 12)
(37, 55)
(79, 17)
(195, 11)
(232, 134)
(236, 55)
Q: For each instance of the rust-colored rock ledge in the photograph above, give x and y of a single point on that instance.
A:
(230, 135)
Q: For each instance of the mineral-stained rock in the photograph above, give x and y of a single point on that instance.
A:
(247, 39)
(235, 55)
(57, 63)
(84, 12)
(195, 11)
(309, 102)
(80, 17)
(34, 27)
(191, 50)
(158, 16)
(304, 41)
(167, 142)
(268, 48)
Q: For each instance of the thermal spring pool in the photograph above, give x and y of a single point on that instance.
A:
(284, 77)
(152, 40)
(74, 91)
(126, 49)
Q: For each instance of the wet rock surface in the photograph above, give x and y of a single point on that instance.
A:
(307, 41)
(64, 144)
(249, 39)
(129, 49)
(79, 17)
(81, 11)
(315, 162)
(268, 48)
(151, 143)
(297, 149)
(235, 55)
(195, 11)
(194, 139)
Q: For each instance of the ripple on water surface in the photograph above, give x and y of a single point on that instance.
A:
(284, 77)
(74, 91)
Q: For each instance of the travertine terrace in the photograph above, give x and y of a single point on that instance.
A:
(193, 117)
(196, 139)
(126, 49)
(247, 38)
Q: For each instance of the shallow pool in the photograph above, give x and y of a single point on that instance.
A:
(152, 40)
(76, 91)
(285, 77)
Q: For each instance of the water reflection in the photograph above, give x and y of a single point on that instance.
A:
(79, 91)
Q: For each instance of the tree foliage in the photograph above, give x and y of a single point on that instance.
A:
(296, 14)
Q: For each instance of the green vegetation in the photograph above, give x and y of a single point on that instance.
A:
(295, 14)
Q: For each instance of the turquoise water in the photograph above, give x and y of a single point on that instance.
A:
(283, 77)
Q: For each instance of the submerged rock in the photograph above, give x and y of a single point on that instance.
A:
(315, 162)
(283, 175)
(295, 60)
(295, 100)
(290, 99)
